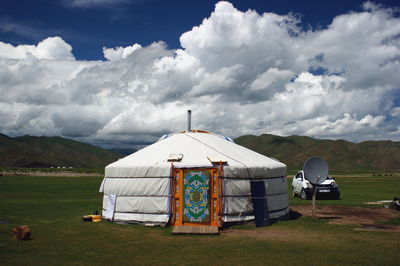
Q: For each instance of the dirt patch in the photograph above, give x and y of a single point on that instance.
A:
(374, 227)
(369, 219)
(366, 219)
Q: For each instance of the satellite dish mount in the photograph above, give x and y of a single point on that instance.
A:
(316, 170)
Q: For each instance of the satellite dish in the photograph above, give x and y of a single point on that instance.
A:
(315, 170)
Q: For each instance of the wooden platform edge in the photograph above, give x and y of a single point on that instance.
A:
(206, 230)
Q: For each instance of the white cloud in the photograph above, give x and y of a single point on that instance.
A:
(347, 124)
(119, 53)
(50, 48)
(239, 72)
(396, 112)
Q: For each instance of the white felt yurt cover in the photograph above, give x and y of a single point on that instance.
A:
(141, 181)
(195, 147)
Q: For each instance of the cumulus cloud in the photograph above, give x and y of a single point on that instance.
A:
(119, 53)
(239, 72)
(50, 48)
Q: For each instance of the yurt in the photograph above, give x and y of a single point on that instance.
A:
(193, 180)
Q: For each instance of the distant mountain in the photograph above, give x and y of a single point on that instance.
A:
(37, 152)
(124, 152)
(341, 155)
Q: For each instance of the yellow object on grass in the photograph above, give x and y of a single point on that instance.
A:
(92, 218)
(96, 218)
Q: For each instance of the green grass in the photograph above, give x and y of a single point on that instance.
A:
(82, 171)
(393, 221)
(53, 207)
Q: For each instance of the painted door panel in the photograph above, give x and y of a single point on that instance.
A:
(197, 197)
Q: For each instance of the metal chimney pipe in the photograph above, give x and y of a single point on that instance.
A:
(189, 121)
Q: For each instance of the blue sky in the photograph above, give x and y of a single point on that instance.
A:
(89, 25)
(121, 73)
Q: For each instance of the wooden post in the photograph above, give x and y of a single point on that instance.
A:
(314, 195)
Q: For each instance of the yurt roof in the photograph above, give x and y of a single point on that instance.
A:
(195, 149)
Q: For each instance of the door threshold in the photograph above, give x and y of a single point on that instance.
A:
(200, 229)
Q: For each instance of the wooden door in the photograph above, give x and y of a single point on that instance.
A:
(197, 197)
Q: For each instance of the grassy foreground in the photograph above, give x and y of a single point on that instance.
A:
(53, 207)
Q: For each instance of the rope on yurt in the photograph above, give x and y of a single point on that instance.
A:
(247, 168)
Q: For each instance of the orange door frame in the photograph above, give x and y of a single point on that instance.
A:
(215, 197)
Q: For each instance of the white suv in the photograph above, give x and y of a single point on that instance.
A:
(303, 188)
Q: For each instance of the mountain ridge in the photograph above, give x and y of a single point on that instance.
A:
(341, 155)
(38, 152)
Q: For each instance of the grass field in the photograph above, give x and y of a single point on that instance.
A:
(53, 207)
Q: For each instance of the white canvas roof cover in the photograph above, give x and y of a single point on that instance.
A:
(196, 149)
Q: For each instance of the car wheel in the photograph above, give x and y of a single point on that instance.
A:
(303, 194)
